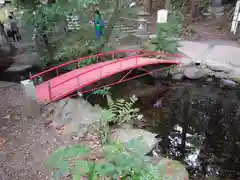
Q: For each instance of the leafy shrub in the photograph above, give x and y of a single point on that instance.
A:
(117, 112)
(167, 33)
(117, 161)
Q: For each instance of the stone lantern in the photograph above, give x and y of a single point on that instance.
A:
(143, 24)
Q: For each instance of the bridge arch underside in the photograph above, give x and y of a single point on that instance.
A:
(118, 78)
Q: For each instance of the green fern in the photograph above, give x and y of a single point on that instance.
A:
(123, 110)
(119, 111)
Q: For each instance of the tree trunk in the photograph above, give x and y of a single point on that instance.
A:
(147, 6)
(195, 11)
(168, 4)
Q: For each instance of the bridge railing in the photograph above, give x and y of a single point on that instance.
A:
(121, 60)
(98, 58)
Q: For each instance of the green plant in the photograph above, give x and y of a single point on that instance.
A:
(103, 91)
(123, 110)
(49, 21)
(119, 111)
(167, 34)
(125, 161)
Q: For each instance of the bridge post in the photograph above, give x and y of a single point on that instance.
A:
(113, 56)
(31, 107)
(49, 91)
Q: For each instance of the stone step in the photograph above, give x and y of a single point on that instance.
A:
(18, 67)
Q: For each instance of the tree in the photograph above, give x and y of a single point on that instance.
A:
(57, 45)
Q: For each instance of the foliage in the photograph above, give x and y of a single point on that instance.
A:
(185, 5)
(166, 34)
(103, 92)
(122, 110)
(54, 44)
(118, 111)
(125, 161)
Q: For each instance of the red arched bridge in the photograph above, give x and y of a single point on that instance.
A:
(65, 84)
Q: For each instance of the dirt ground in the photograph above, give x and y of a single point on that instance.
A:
(27, 143)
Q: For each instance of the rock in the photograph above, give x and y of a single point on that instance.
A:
(209, 80)
(220, 75)
(176, 70)
(178, 76)
(228, 82)
(226, 54)
(158, 74)
(218, 66)
(169, 169)
(3, 157)
(193, 50)
(78, 116)
(125, 135)
(194, 72)
(186, 61)
(235, 73)
(18, 67)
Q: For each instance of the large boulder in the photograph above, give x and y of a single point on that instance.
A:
(170, 169)
(195, 72)
(124, 135)
(219, 66)
(77, 115)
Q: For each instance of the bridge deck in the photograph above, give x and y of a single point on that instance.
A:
(69, 82)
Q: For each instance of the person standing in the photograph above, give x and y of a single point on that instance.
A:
(3, 33)
(99, 24)
(14, 28)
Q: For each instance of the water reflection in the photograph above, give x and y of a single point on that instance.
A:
(198, 122)
(200, 127)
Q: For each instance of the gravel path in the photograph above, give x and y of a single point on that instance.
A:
(27, 142)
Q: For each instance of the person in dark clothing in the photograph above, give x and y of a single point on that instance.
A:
(3, 33)
(14, 29)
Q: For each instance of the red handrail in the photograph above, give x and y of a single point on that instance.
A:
(111, 62)
(96, 55)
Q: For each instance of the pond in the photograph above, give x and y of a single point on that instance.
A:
(198, 122)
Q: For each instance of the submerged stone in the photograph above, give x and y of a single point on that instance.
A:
(228, 82)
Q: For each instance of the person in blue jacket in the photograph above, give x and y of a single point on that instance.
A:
(99, 24)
